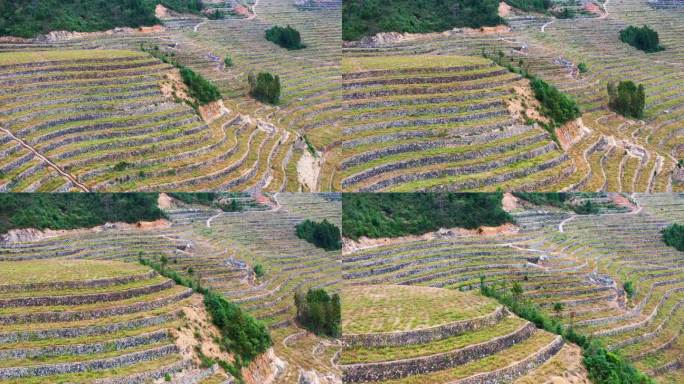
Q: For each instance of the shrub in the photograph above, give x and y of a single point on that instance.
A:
(629, 288)
(603, 367)
(199, 87)
(627, 99)
(167, 377)
(556, 105)
(323, 235)
(241, 333)
(286, 37)
(586, 208)
(673, 235)
(368, 17)
(319, 312)
(259, 270)
(644, 38)
(582, 67)
(530, 5)
(398, 214)
(121, 165)
(228, 61)
(75, 210)
(265, 87)
(566, 13)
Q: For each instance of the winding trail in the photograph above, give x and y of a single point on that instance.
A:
(46, 160)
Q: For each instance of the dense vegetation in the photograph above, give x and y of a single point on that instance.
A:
(323, 235)
(560, 200)
(557, 106)
(673, 235)
(264, 87)
(319, 312)
(399, 214)
(603, 366)
(223, 201)
(286, 37)
(28, 18)
(530, 5)
(75, 210)
(627, 99)
(200, 88)
(242, 334)
(368, 17)
(644, 38)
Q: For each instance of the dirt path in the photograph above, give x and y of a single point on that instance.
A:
(46, 160)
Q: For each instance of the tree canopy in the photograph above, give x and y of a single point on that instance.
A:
(368, 17)
(398, 214)
(28, 18)
(644, 38)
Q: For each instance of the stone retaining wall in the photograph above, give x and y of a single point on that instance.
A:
(427, 335)
(415, 366)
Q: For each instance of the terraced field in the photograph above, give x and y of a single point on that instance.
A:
(609, 153)
(580, 261)
(411, 334)
(220, 249)
(92, 321)
(97, 120)
(434, 122)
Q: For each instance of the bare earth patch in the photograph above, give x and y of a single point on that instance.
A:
(564, 368)
(32, 234)
(504, 9)
(363, 242)
(571, 133)
(308, 169)
(509, 202)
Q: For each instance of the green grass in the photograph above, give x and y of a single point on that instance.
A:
(373, 309)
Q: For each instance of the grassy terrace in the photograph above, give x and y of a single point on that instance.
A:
(220, 256)
(418, 124)
(640, 155)
(585, 267)
(401, 310)
(166, 145)
(77, 337)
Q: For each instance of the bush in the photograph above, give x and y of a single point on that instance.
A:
(368, 17)
(556, 105)
(121, 165)
(199, 87)
(673, 235)
(75, 210)
(603, 367)
(627, 99)
(259, 270)
(644, 38)
(228, 61)
(241, 333)
(629, 288)
(582, 67)
(286, 37)
(399, 214)
(586, 208)
(265, 87)
(319, 312)
(28, 18)
(323, 235)
(530, 5)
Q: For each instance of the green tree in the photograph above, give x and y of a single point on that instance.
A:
(265, 87)
(673, 235)
(644, 38)
(323, 235)
(199, 87)
(286, 37)
(627, 99)
(319, 312)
